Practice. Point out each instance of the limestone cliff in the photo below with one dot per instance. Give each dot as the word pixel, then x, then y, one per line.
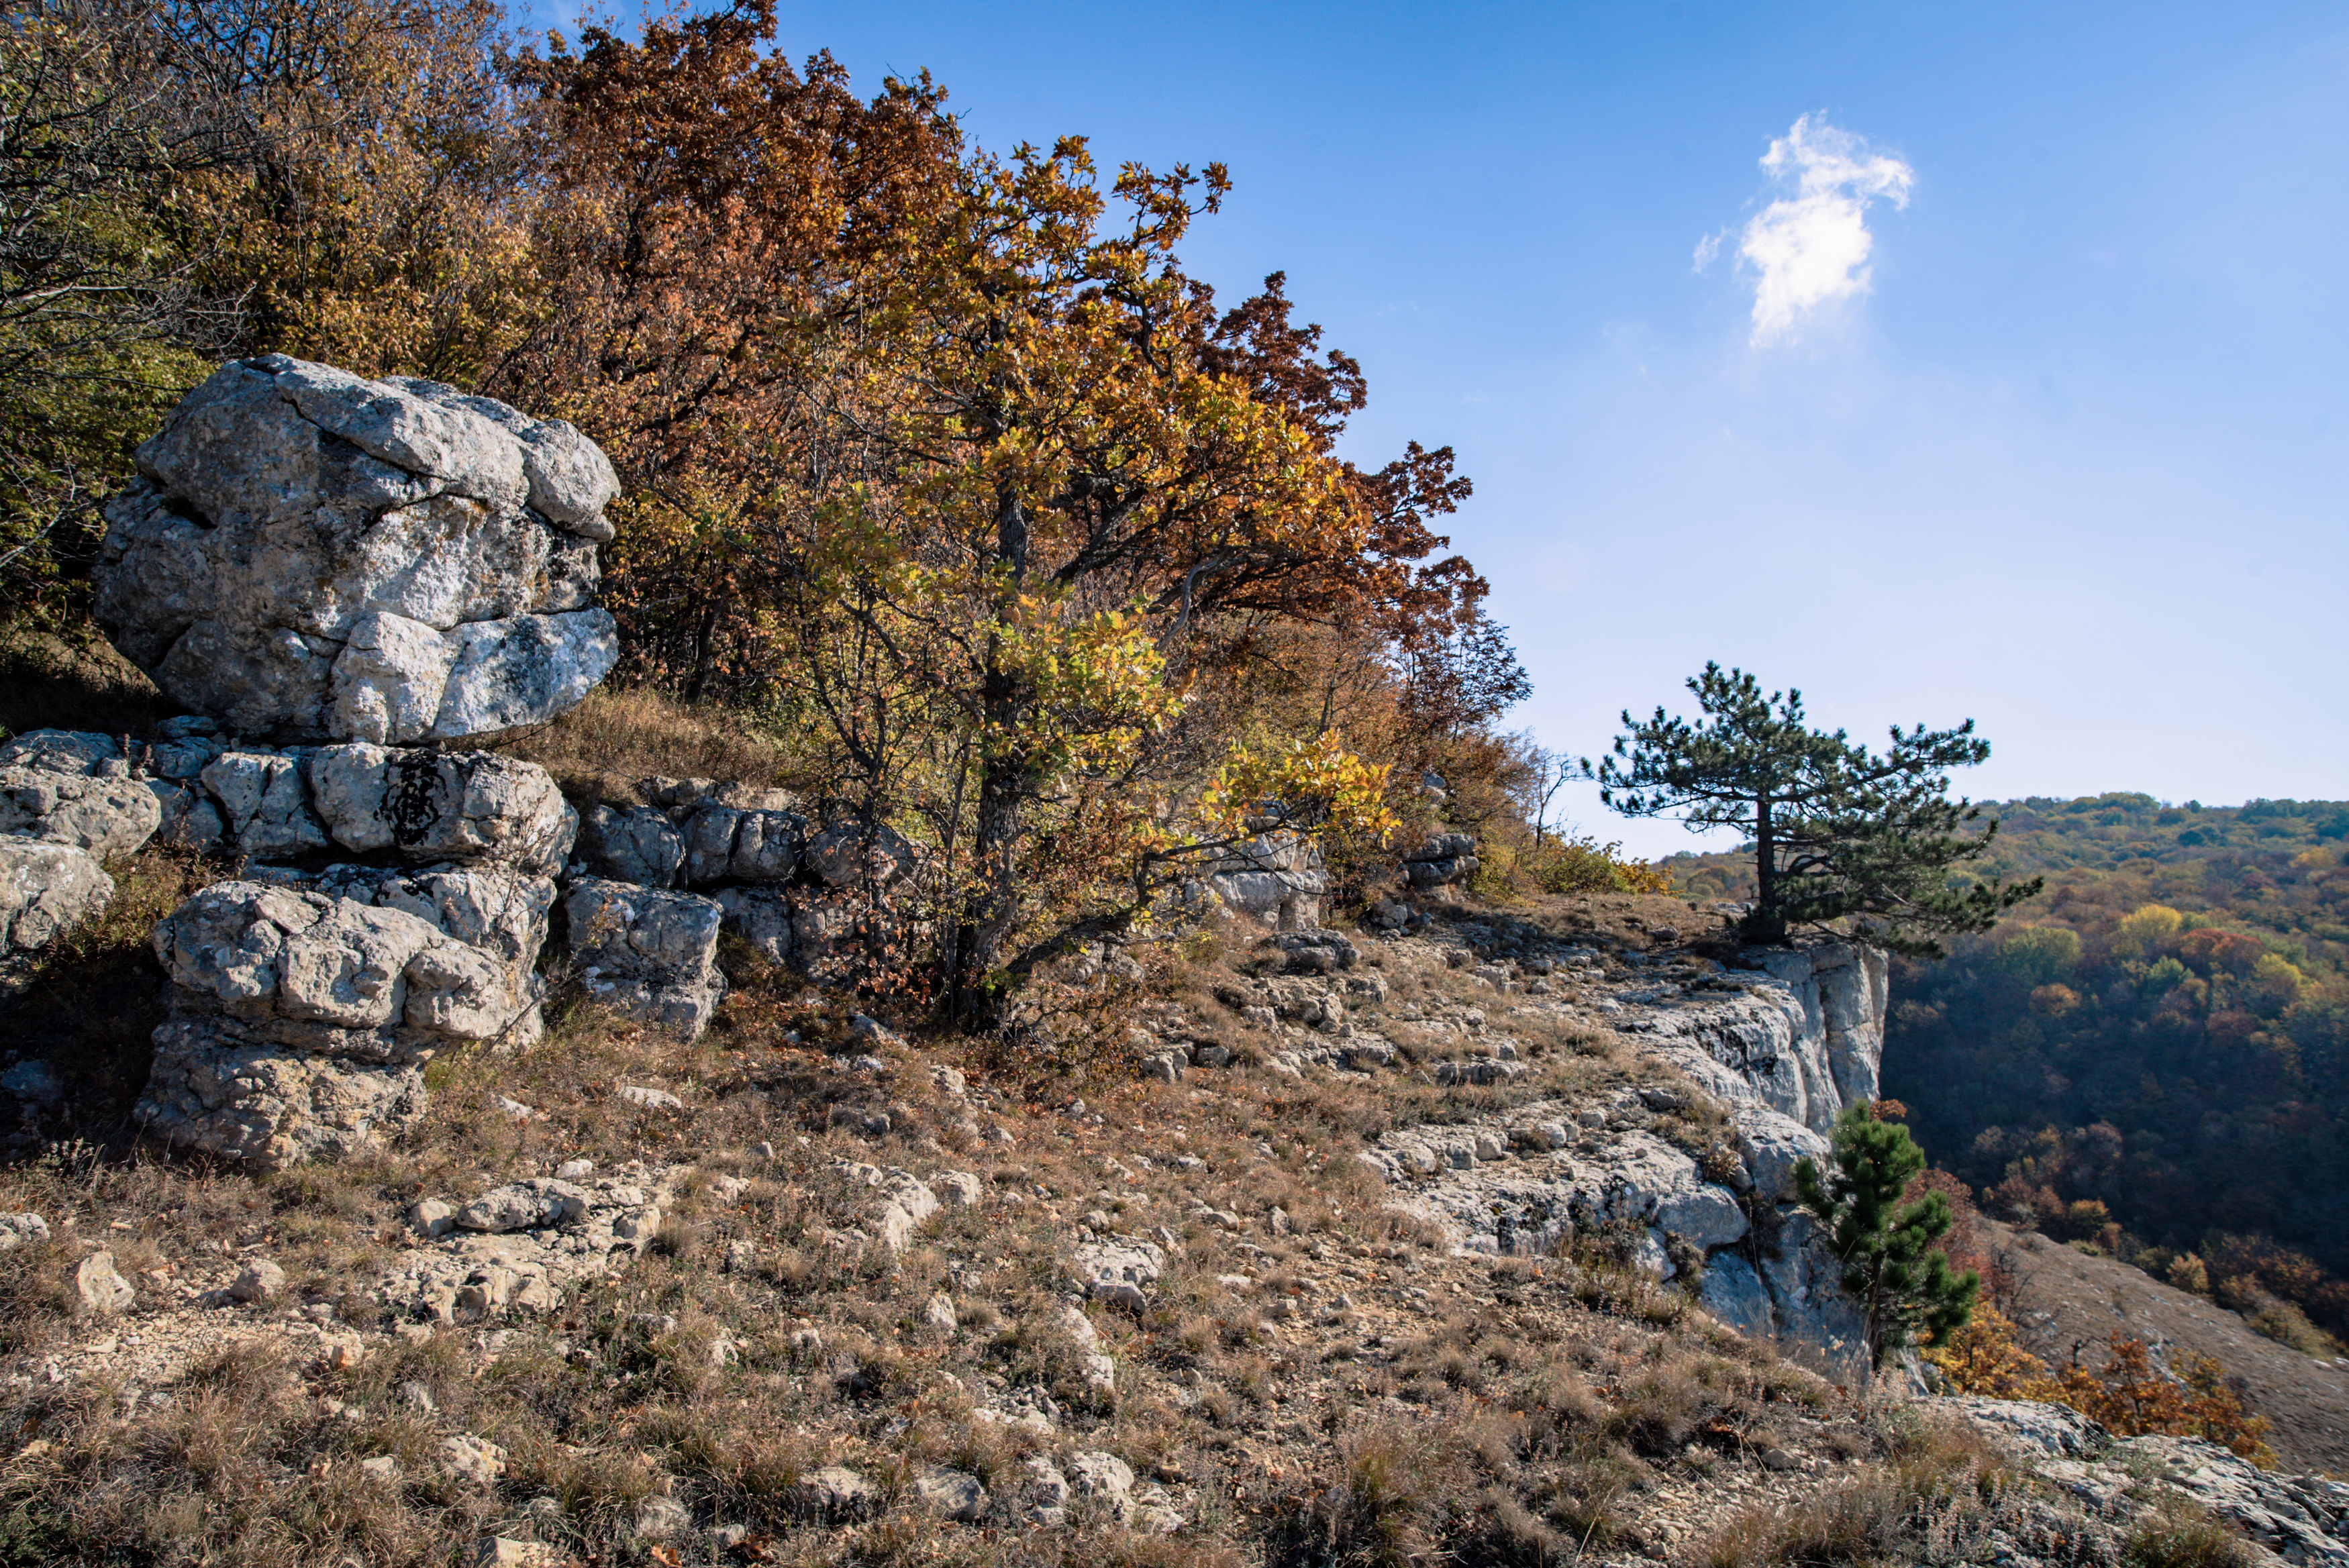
pixel 1781 1042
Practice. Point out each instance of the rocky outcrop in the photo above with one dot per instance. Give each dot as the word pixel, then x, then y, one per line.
pixel 1801 1032
pixel 309 555
pixel 646 954
pixel 1842 988
pixel 475 807
pixel 1446 858
pixel 1276 877
pixel 640 846
pixel 283 966
pixel 2301 1519
pixel 64 787
pixel 304 1007
pixel 801 891
pixel 1529 1182
pixel 1781 1045
pixel 416 806
pixel 494 910
pixel 305 999
pixel 270 1105
pixel 107 816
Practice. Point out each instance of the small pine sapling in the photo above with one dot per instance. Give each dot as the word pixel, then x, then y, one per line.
pixel 1891 1266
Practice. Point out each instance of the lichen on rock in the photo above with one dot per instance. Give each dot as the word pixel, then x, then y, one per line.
pixel 311 555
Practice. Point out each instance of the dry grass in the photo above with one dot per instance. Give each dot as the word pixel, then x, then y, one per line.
pixel 1937 1492
pixel 1510 1411
pixel 95 995
pixel 2176 1534
pixel 249 1463
pixel 604 749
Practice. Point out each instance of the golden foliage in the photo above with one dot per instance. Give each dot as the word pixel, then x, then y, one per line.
pixel 2132 1395
pixel 1984 1358
pixel 1316 784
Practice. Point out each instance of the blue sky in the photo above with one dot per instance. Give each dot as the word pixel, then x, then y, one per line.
pixel 2064 452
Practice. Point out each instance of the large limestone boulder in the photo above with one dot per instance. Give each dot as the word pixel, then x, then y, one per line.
pixel 107 817
pixel 1275 876
pixel 310 555
pixel 297 968
pixel 269 1105
pixel 639 845
pixel 495 910
pixel 426 806
pixel 1446 858
pixel 723 843
pixel 646 954
pixel 301 1019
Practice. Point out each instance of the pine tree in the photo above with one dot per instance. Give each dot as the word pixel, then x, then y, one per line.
pixel 1838 831
pixel 1891 1266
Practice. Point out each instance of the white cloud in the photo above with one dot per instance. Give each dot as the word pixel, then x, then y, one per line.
pixel 1810 248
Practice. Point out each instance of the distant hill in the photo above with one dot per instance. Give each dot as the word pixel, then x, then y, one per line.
pixel 2164 1033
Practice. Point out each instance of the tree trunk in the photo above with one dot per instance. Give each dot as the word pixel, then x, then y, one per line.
pixel 1765 923
pixel 988 907
pixel 705 648
pixel 991 905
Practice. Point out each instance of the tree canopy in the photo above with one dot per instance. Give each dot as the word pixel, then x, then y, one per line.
pixel 1838 831
pixel 936 463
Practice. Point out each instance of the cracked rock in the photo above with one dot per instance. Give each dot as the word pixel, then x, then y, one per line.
pixel 101 1289
pixel 312 555
pixel 45 890
pixel 646 954
pixel 538 1203
pixel 835 1495
pixel 107 817
pixel 1119 1271
pixel 640 846
pixel 951 1495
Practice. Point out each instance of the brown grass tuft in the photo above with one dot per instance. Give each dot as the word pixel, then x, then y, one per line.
pixel 603 748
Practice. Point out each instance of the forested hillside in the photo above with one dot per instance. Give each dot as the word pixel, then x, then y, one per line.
pixel 2164 1033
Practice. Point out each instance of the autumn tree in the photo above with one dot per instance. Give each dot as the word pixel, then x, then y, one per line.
pixel 1083 489
pixel 186 180
pixel 939 461
pixel 718 228
pixel 936 463
pixel 2135 1397
pixel 1891 1266
pixel 1838 831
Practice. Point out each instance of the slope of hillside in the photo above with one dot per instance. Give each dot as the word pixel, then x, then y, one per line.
pixel 2155 1055
pixel 2067 1303
pixel 821 1297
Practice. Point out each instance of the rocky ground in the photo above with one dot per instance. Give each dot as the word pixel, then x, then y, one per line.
pixel 1268 1281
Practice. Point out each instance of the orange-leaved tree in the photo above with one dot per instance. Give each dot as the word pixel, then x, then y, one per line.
pixel 939 459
